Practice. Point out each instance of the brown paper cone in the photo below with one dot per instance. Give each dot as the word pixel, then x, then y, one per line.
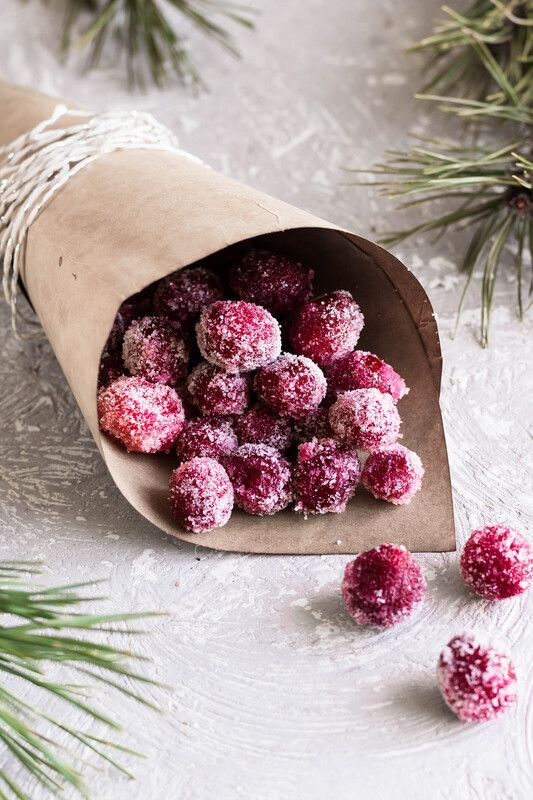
pixel 134 216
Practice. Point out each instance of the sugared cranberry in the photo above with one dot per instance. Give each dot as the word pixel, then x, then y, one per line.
pixel 260 425
pixel 184 294
pixel 200 495
pixel 477 681
pixel 145 417
pixel 138 305
pixel 276 282
pixel 211 437
pixel 497 562
pixel 155 348
pixel 393 474
pixel 326 476
pixel 238 336
pixel 292 386
pixel 382 586
pixel 214 391
pixel 261 479
pixel 327 327
pixel 365 418
pixel 361 370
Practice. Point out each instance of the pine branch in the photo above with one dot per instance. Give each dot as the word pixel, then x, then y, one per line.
pixel 46 621
pixel 143 30
pixel 492 194
pixel 484 55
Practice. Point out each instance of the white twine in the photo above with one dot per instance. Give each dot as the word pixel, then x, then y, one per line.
pixel 37 165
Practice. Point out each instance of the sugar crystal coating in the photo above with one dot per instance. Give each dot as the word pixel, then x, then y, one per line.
pixel 146 417
pixel 185 293
pixel 326 328
pixel 382 586
pixel 214 391
pixel 497 562
pixel 362 370
pixel 292 386
pixel 136 306
pixel 261 479
pixel 200 495
pixel 365 418
pixel 260 425
pixel 326 476
pixel 238 336
pixel 276 282
pixel 155 348
pixel 477 681
pixel 210 437
pixel 393 474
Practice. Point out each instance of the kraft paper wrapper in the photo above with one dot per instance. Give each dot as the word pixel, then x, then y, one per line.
pixel 134 216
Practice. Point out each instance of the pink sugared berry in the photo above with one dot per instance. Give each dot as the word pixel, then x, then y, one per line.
pixel 200 495
pixel 497 562
pixel 260 425
pixel 211 437
pixel 326 328
pixel 292 386
pixel 238 336
pixel 477 681
pixel 146 417
pixel 326 476
pixel 214 391
pixel 382 586
pixel 365 418
pixel 315 426
pixel 261 479
pixel 393 474
pixel 137 306
pixel 278 283
pixel 362 370
pixel 185 293
pixel 155 348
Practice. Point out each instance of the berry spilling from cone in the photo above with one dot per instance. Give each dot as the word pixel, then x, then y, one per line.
pixel 194 366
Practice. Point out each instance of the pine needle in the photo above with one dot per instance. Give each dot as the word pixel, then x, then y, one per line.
pixel 49 633
pixel 492 193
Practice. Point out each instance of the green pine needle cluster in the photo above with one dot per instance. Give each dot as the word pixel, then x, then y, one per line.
pixel 143 31
pixel 46 630
pixel 481 68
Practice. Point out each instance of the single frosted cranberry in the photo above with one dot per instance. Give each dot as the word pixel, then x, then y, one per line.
pixel 261 479
pixel 292 386
pixel 326 328
pixel 210 437
pixel 477 681
pixel 278 283
pixel 393 474
pixel 362 370
pixel 326 476
pixel 382 586
pixel 200 495
pixel 185 293
pixel 155 348
pixel 497 562
pixel 238 336
pixel 260 425
pixel 365 418
pixel 146 417
pixel 214 391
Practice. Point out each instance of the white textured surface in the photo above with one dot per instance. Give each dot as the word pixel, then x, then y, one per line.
pixel 277 694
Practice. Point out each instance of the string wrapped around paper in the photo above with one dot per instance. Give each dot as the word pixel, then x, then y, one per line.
pixel 133 215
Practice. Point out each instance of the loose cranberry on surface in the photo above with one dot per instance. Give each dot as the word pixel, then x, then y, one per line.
pixel 497 562
pixel 382 586
pixel 477 681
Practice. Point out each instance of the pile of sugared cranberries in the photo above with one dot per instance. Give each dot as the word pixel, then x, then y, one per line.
pixel 193 367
